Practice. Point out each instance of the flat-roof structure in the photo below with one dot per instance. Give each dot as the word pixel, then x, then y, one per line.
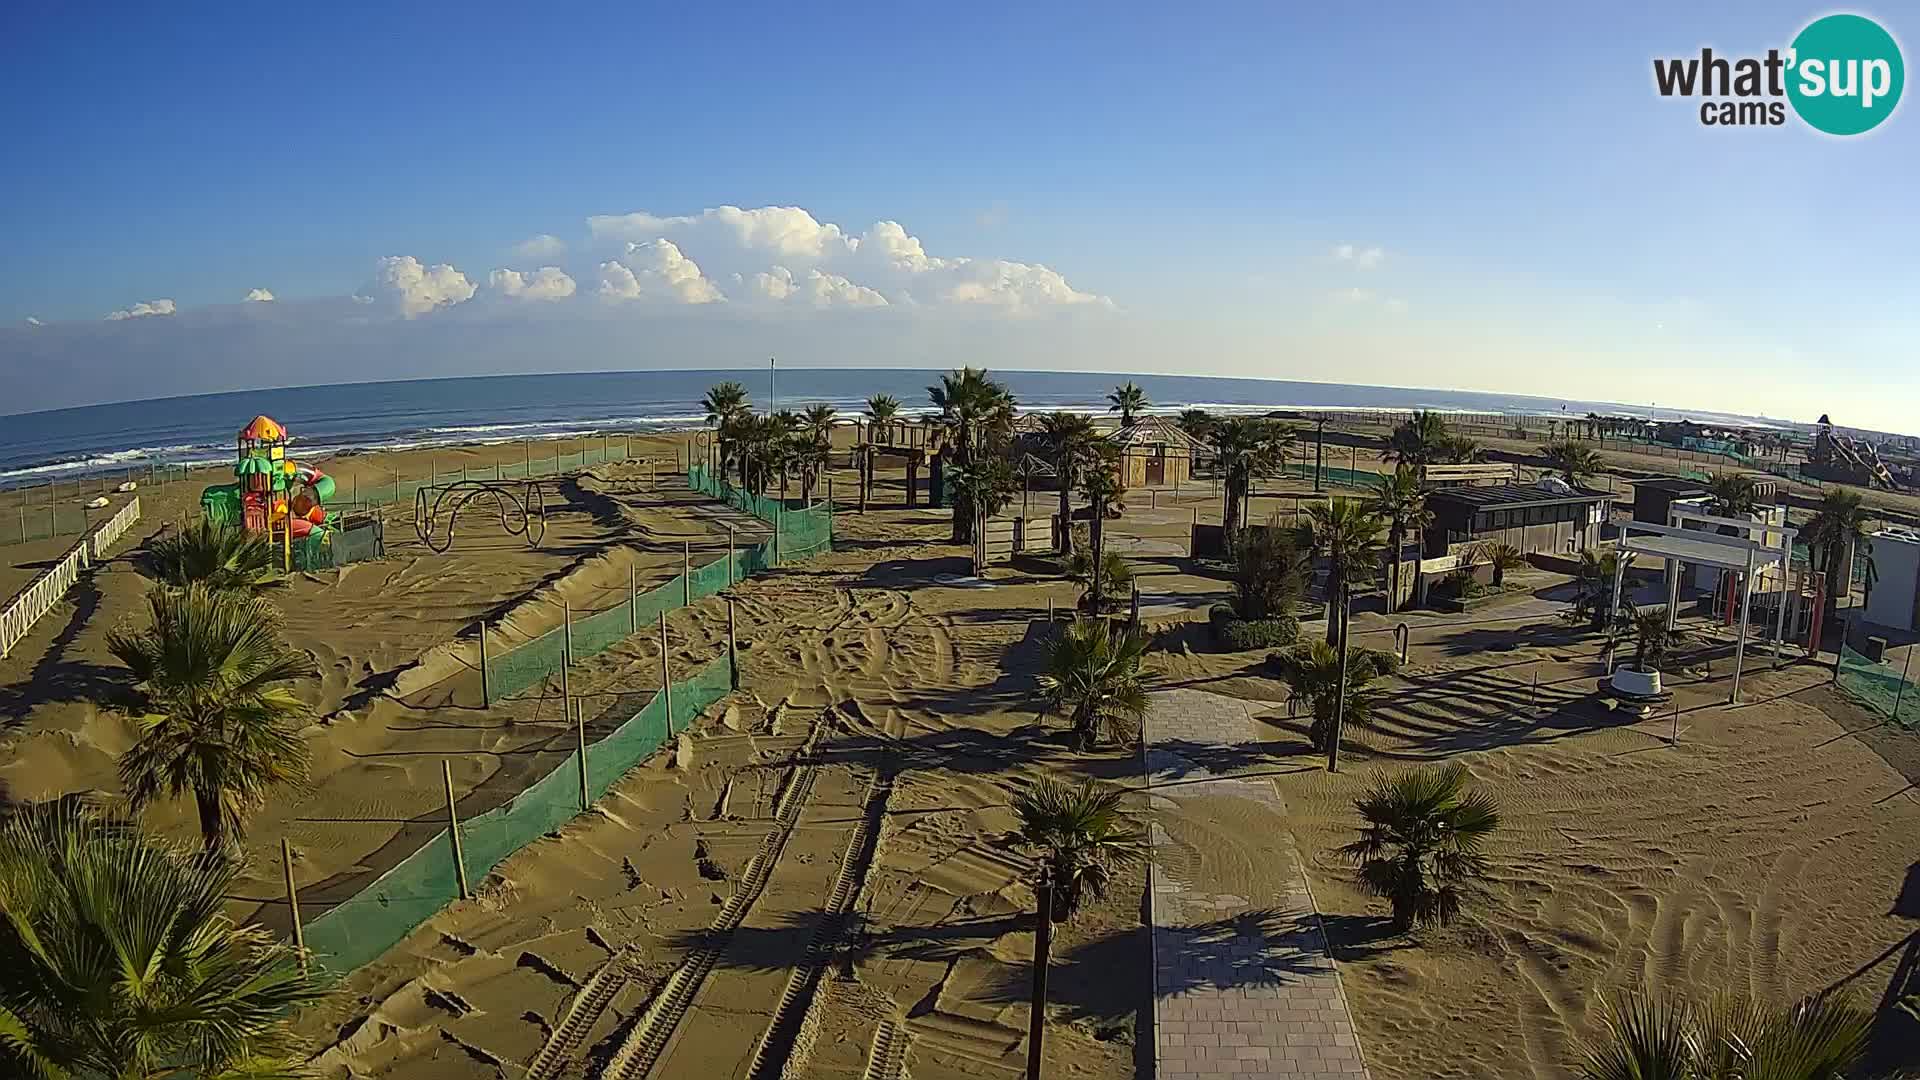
pixel 1712 544
pixel 1531 517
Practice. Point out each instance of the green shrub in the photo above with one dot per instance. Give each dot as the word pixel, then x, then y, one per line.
pixel 1236 634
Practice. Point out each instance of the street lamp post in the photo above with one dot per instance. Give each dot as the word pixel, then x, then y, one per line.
pixel 1340 694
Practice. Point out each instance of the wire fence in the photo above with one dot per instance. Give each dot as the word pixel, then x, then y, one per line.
pixel 57 508
pixel 1878 688
pixel 380 916
pixel 797 532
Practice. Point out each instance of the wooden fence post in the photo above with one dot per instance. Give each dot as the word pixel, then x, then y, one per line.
pixel 580 728
pixel 293 903
pixel 733 649
pixel 453 830
pixel 486 686
pixel 666 673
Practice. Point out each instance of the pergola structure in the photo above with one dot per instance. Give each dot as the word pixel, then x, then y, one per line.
pixel 1740 552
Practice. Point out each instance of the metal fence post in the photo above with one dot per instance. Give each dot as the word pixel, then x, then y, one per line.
pixel 686 573
pixel 633 600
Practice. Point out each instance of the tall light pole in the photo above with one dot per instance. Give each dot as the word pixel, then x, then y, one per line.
pixel 1319 448
pixel 773 385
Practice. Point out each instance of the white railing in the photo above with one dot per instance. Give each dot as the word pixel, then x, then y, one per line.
pixel 38 598
pixel 114 528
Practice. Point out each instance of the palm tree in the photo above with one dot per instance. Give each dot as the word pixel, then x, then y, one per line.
pixel 1197 423
pixel 117 959
pixel 881 411
pixel 1821 1038
pixel 725 404
pixel 976 411
pixel 1082 835
pixel 1101 480
pixel 1418 440
pixel 1571 459
pixel 812 445
pixel 1403 503
pixel 220 721
pixel 1420 846
pixel 1245 447
pixel 784 446
pixel 220 555
pixel 988 484
pixel 1129 401
pixel 1593 590
pixel 1082 838
pixel 1504 557
pixel 1069 436
pixel 1093 678
pixel 1346 533
pixel 1732 495
pixel 1311 671
pixel 1838 526
pixel 1270 570
pixel 1652 638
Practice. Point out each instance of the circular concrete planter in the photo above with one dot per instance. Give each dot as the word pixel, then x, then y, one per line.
pixel 1636 683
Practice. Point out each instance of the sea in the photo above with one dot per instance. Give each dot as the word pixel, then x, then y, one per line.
pixel 63 444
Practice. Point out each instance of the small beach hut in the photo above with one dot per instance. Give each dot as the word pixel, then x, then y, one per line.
pixel 1154 452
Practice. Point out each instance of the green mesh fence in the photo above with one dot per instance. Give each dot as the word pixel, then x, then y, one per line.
pixel 381 915
pixel 1878 687
pixel 798 533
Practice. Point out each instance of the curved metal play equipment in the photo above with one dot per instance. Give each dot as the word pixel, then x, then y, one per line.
pixel 524 514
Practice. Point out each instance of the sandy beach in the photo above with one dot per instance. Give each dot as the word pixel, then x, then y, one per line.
pixel 832 847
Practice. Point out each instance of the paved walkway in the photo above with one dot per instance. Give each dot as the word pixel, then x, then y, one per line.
pixel 1244 986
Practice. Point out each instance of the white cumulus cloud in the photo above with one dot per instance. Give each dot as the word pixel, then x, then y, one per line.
pixel 541 246
pixel 657 269
pixel 142 310
pixel 260 296
pixel 786 231
pixel 817 288
pixel 1362 258
pixel 547 283
pixel 773 252
pixel 418 289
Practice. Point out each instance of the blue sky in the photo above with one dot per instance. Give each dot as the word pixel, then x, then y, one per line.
pixel 1150 188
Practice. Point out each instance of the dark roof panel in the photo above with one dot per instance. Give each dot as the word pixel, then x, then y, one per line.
pixel 1510 495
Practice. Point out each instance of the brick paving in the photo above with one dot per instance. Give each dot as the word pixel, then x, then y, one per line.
pixel 1244 986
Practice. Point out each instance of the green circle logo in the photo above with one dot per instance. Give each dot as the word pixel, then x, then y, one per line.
pixel 1845 74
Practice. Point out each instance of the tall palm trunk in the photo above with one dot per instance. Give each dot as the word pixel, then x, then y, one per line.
pixel 1063 543
pixel 212 829
pixel 1395 540
pixel 1230 514
pixel 1336 611
pixel 1096 532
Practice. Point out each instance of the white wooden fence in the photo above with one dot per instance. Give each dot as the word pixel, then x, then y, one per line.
pixel 38 598
pixel 114 528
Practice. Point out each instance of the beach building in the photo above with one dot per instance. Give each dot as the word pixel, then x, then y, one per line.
pixel 1894 602
pixel 1154 452
pixel 1546 516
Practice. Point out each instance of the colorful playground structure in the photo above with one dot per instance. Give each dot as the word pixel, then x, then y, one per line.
pixel 272 493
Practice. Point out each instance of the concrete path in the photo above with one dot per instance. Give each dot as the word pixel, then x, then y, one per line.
pixel 1244 985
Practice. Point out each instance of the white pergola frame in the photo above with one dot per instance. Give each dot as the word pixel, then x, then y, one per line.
pixel 1676 545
